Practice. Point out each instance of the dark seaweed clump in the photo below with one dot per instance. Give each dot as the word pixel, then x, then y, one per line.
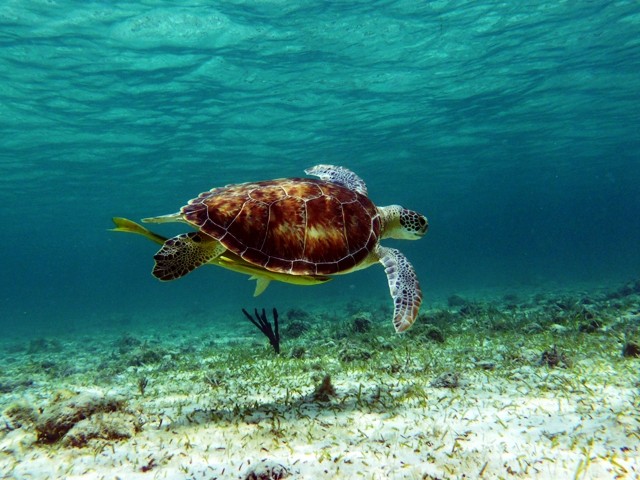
pixel 295 329
pixel 631 349
pixel 325 390
pixel 361 323
pixel 262 323
pixel 298 323
pixel 146 356
pixel 426 331
pixel 127 343
pixel 353 353
pixel 626 290
pixel 298 351
pixel 554 358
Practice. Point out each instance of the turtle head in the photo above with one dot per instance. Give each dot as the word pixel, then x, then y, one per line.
pixel 402 223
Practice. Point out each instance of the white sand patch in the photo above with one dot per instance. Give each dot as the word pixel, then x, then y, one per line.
pixel 491 430
pixel 221 405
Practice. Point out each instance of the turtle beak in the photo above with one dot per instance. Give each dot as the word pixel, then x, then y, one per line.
pixel 424 225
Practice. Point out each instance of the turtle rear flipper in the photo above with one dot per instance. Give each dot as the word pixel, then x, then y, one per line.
pixel 403 285
pixel 182 254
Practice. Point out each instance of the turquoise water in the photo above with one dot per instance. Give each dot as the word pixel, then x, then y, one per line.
pixel 513 127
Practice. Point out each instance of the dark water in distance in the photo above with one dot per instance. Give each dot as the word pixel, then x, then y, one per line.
pixel 514 126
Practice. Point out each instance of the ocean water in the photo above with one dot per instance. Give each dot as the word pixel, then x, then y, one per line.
pixel 514 126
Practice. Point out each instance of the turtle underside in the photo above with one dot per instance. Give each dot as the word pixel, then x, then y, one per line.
pixel 298 226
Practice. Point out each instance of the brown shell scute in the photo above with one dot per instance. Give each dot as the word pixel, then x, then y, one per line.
pixel 298 226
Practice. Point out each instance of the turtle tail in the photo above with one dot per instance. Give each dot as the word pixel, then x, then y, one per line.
pixel 129 226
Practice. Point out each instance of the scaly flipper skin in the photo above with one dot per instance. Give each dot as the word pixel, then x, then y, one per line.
pixel 403 286
pixel 186 252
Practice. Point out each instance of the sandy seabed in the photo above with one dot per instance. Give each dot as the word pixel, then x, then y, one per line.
pixel 534 387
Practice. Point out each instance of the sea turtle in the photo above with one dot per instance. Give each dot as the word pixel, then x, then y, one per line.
pixel 297 230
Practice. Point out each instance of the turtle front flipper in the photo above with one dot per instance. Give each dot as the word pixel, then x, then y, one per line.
pixel 184 253
pixel 403 285
pixel 340 175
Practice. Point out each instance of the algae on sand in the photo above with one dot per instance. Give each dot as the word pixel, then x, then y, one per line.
pixel 212 394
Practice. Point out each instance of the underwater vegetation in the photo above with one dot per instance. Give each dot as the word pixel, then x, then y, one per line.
pixel 553 358
pixel 262 323
pixel 339 370
pixel 325 390
pixel 631 349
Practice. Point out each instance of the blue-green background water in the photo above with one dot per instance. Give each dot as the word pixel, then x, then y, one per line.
pixel 514 126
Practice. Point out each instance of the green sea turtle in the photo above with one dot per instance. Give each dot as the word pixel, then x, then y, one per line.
pixel 295 230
